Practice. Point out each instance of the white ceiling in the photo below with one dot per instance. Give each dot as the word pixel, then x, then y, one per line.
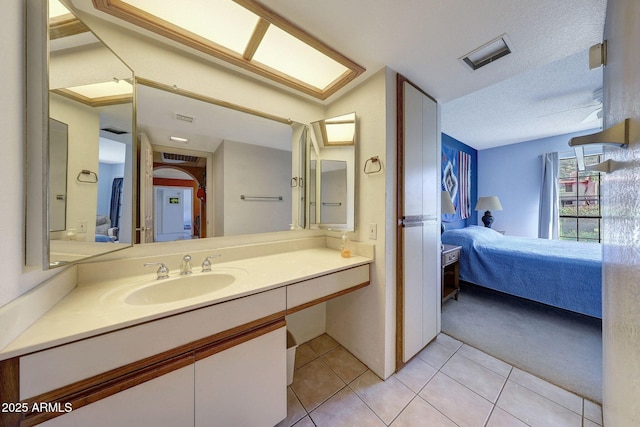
pixel 519 97
pixel 156 116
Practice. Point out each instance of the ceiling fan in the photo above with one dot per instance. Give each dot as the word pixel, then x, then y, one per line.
pixel 593 109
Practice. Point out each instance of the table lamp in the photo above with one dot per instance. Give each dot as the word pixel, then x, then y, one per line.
pixel 488 204
pixel 446 207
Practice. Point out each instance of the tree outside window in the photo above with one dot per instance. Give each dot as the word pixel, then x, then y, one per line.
pixel 579 200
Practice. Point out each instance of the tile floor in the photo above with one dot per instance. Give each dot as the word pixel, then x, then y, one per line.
pixel 447 384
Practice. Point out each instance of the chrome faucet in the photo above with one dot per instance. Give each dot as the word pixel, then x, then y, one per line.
pixel 206 264
pixel 185 267
pixel 163 271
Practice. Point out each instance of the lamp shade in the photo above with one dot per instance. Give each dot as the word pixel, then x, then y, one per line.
pixel 489 203
pixel 446 203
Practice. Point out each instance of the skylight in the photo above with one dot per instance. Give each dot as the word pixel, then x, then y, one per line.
pixel 244 33
pixel 100 94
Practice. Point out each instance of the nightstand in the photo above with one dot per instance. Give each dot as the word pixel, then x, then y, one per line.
pixel 450 271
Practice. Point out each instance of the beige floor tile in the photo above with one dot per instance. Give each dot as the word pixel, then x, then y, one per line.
pixel 420 413
pixel 314 383
pixel 500 418
pixel 416 374
pixel 473 375
pixel 345 409
pixel 344 364
pixel 458 403
pixel 386 398
pixel 534 409
pixel 496 365
pixel 322 344
pixel 447 341
pixel 593 412
pixel 436 354
pixel 548 390
pixel 295 410
pixel 304 355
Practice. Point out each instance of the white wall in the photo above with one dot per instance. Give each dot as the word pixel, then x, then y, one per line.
pixel 252 170
pixel 364 321
pixel 513 173
pixel 16 279
pixel 621 287
pixel 84 130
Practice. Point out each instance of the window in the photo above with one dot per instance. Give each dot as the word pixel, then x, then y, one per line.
pixel 579 200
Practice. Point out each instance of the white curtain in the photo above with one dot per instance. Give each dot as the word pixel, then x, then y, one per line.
pixel 548 215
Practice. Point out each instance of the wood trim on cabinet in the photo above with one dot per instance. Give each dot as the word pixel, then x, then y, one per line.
pixel 10 390
pixel 105 389
pixel 217 347
pixel 103 385
pixel 327 297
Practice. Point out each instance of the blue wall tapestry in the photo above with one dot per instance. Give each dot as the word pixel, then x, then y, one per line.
pixel 456 179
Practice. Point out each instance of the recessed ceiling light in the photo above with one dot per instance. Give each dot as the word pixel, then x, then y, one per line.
pixel 178 139
pixel 488 52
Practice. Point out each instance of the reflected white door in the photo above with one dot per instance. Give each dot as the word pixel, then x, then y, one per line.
pixel 146 190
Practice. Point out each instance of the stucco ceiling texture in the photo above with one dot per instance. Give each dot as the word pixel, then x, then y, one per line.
pixel 541 89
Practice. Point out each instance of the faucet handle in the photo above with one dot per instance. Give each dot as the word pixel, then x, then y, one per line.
pixel 185 268
pixel 206 264
pixel 163 271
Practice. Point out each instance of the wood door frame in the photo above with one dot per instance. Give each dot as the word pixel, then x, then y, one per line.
pixel 400 81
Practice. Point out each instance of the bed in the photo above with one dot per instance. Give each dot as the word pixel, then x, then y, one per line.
pixel 559 273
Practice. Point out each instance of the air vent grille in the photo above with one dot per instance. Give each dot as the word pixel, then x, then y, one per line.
pixel 178 158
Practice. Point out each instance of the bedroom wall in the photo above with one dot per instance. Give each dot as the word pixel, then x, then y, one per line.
pixel 513 173
pixel 458 145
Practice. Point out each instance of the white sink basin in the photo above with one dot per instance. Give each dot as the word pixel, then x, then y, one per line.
pixel 179 288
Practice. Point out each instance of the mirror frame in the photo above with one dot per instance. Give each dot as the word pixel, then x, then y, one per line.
pixel 37 234
pixel 335 152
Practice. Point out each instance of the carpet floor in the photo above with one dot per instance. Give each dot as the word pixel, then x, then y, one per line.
pixel 561 347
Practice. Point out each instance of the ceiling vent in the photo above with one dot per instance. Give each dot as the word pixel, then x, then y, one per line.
pixel 184 118
pixel 178 158
pixel 488 53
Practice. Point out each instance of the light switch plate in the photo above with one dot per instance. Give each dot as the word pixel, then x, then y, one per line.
pixel 373 231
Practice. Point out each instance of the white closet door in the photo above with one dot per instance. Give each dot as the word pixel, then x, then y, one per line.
pixel 420 225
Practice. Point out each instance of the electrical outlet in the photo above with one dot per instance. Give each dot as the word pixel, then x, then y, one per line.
pixel 83 225
pixel 373 231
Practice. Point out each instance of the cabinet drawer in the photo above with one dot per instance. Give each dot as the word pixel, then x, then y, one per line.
pixel 314 291
pixel 450 257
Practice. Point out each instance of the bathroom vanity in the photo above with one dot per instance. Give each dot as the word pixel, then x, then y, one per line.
pixel 102 357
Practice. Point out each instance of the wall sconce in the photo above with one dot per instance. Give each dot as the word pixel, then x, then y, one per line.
pixel 598 55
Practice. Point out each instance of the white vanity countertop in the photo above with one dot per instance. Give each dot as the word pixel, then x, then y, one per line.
pixel 98 308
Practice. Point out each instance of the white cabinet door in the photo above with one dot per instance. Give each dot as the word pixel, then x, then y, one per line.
pixel 244 385
pixel 165 401
pixel 420 226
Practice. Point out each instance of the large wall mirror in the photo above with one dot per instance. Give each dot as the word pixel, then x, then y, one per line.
pixel 209 169
pixel 332 173
pixel 87 144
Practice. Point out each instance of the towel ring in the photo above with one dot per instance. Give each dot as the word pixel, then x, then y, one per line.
pixel 373 160
pixel 92 177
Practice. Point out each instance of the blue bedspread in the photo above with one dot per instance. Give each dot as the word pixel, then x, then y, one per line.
pixel 560 273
